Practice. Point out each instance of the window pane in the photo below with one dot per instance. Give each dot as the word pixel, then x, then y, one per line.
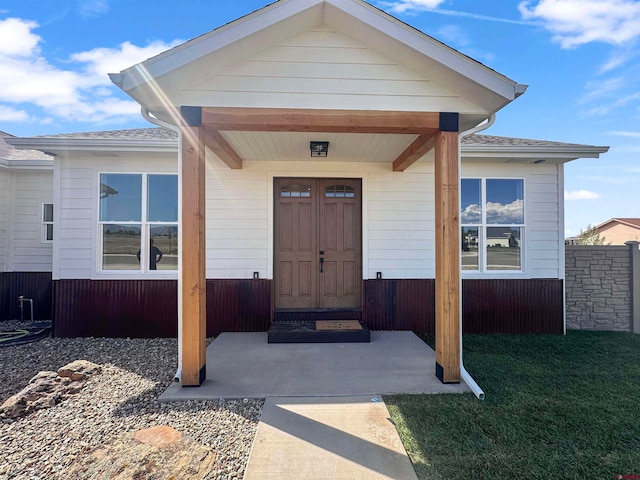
pixel 163 248
pixel 339 191
pixel 505 201
pixel 470 257
pixel 120 197
pixel 162 198
pixel 121 247
pixel 48 232
pixel 503 248
pixel 47 212
pixel 296 190
pixel 470 202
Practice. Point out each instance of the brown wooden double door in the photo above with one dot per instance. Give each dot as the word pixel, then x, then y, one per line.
pixel 318 243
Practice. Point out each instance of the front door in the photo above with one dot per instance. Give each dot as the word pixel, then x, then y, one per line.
pixel 318 251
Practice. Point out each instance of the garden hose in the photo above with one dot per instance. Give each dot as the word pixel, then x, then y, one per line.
pixel 21 336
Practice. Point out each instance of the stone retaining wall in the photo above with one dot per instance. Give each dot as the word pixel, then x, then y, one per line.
pixel 602 285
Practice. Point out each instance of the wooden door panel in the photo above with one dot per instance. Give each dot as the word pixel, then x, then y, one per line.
pixel 350 279
pixel 295 246
pixel 340 238
pixel 349 243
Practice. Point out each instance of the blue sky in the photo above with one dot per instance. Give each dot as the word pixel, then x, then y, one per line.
pixel 581 59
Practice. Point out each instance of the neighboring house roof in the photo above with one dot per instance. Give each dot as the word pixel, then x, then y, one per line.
pixel 12 157
pixel 631 222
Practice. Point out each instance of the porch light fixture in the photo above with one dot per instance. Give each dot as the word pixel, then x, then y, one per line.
pixel 319 149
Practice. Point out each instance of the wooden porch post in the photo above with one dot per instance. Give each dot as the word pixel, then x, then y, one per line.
pixel 193 278
pixel 447 250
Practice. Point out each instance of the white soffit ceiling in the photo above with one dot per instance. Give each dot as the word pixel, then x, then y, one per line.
pixel 294 147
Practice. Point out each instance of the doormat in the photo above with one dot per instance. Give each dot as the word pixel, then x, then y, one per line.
pixel 338 325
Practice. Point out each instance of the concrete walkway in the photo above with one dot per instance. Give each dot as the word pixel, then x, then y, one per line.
pixel 324 416
pixel 327 438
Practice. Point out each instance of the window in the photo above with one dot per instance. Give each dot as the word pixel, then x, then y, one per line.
pixel 296 190
pixel 340 191
pixel 492 224
pixel 138 210
pixel 47 222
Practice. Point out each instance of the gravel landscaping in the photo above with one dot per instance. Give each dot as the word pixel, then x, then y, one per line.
pixel 117 402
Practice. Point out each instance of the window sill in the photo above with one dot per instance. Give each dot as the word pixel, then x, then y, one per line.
pixel 125 275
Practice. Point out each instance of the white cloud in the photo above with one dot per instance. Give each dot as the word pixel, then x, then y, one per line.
pixel 16 37
pixel 581 195
pixel 402 6
pixel 626 134
pixel 93 8
pixel 576 22
pixel 8 114
pixel 82 92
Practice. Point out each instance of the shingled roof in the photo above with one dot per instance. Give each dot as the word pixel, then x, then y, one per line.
pixel 166 134
pixel 10 153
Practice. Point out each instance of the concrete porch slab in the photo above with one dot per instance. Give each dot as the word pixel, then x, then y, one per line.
pixel 327 437
pixel 244 365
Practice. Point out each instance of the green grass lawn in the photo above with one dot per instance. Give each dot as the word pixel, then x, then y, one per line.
pixel 556 408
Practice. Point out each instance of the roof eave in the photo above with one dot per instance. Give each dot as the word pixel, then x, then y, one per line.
pixel 57 145
pixel 551 152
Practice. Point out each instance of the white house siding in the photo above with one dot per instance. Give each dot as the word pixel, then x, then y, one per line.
pixel 77 245
pixel 4 216
pixel 398 215
pixel 25 250
pixel 543 214
pixel 317 69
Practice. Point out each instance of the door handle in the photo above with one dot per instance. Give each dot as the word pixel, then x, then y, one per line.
pixel 321 264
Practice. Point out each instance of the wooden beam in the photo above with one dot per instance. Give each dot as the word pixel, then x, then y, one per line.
pixel 193 253
pixel 447 257
pixel 331 121
pixel 414 152
pixel 218 145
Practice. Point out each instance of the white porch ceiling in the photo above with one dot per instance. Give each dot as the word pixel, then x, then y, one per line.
pixel 294 146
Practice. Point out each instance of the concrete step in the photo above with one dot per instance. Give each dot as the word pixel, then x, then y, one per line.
pixel 329 331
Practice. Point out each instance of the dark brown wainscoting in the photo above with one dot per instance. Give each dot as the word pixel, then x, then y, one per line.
pixel 513 306
pixel 149 308
pixel 489 306
pixel 400 304
pixel 115 308
pixel 34 285
pixel 238 306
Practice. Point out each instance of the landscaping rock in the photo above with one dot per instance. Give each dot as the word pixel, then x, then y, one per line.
pixel 47 389
pixel 158 452
pixel 79 370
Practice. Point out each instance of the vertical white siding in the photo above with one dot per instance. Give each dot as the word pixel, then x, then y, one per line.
pixel 237 221
pixel 5 182
pixel 75 243
pixel 29 253
pixel 401 223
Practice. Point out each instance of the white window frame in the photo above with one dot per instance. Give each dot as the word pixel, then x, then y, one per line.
pixel 46 223
pixel 144 224
pixel 483 225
